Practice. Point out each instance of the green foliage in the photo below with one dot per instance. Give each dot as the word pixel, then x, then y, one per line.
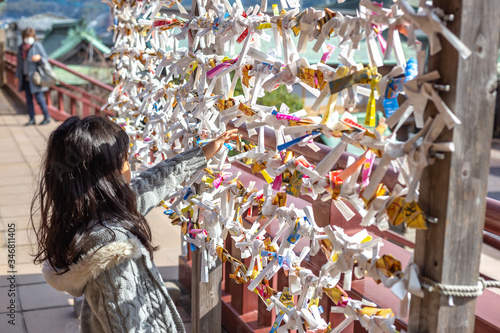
pixel 281 95
pixel 276 97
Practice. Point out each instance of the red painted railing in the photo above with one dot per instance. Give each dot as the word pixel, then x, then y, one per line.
pixel 242 311
pixel 62 99
pixel 492 218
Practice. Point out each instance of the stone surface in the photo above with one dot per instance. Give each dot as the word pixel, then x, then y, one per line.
pixel 29 274
pixel 57 320
pixel 42 295
pixel 17 327
pixel 7 300
pixel 174 291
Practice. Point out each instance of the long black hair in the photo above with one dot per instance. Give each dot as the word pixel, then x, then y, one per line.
pixel 80 186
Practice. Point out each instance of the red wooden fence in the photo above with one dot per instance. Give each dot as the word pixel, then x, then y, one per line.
pixel 62 98
pixel 242 311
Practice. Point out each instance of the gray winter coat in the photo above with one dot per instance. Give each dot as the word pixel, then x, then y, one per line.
pixel 36 48
pixel 123 289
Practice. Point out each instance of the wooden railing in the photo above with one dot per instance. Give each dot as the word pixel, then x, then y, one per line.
pixel 492 218
pixel 242 311
pixel 62 99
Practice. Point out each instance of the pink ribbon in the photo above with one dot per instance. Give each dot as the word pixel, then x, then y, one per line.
pixel 194 232
pixel 218 181
pixel 277 183
pixel 367 169
pixel 287 117
pixel 327 54
pixel 378 31
pixel 217 69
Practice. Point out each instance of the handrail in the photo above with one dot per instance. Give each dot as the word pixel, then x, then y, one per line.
pixel 492 218
pixel 239 304
pixel 491 239
pixel 81 91
pixel 83 76
pixel 77 98
pixel 367 288
pixel 66 68
pixel 64 92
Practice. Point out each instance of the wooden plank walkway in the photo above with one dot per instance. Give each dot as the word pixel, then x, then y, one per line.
pixel 42 309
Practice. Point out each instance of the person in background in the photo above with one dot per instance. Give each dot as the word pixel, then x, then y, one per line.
pixel 29 57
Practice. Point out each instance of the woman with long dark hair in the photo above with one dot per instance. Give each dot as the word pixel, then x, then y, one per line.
pixel 93 238
pixel 29 57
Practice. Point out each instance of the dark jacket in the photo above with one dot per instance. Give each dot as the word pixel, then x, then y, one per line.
pixel 36 48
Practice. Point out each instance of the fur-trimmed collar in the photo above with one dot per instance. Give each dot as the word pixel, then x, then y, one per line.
pixel 92 265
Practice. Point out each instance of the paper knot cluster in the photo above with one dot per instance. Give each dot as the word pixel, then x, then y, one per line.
pixel 175 82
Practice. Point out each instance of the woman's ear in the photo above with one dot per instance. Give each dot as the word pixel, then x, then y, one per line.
pixel 126 171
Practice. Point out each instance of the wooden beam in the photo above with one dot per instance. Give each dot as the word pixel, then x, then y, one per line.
pixel 454 189
pixel 205 298
pixel 206 309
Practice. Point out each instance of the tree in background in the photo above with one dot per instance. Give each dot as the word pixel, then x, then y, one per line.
pixel 276 98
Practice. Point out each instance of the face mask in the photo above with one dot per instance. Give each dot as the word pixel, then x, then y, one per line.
pixel 29 40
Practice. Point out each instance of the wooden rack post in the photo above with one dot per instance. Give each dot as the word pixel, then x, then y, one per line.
pixel 206 308
pixel 454 189
pixel 205 298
